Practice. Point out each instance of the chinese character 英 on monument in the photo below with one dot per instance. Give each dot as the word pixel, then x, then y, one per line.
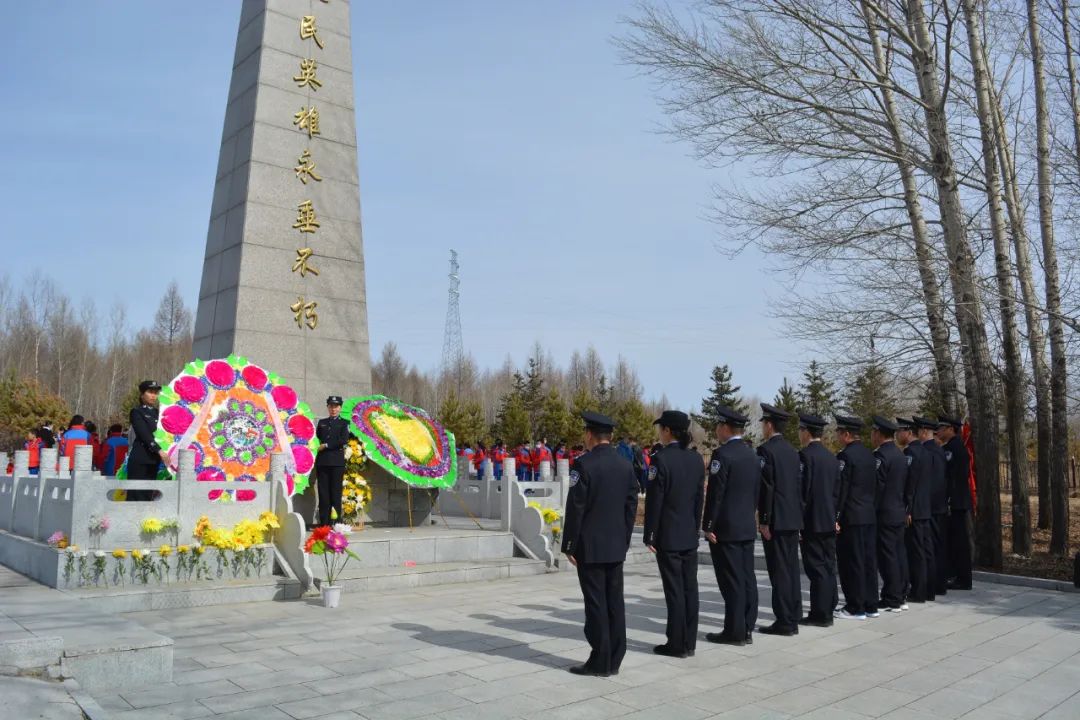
pixel 283 274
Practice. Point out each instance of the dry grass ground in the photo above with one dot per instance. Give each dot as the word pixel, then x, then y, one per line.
pixel 1041 563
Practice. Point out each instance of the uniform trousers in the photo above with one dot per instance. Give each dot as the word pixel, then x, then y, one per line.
pixel 782 560
pixel 330 480
pixel 919 543
pixel 143 471
pixel 939 528
pixel 855 555
pixel 605 614
pixel 819 562
pixel 960 546
pixel 733 563
pixel 678 573
pixel 891 560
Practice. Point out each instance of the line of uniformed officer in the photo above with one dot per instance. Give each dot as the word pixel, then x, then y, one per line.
pixel 890 509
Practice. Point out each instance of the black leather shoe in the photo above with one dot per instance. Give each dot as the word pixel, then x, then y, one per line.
pixel 953 585
pixel 668 651
pixel 689 653
pixel 749 638
pixel 722 639
pixel 816 622
pixel 775 629
pixel 586 670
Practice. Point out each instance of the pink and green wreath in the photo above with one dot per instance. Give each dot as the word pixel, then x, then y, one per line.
pixel 404 440
pixel 235 416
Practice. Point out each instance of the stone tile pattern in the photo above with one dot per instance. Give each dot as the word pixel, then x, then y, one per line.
pixel 248 283
pixel 500 649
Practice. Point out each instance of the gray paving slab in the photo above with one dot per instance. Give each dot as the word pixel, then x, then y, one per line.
pixel 495 650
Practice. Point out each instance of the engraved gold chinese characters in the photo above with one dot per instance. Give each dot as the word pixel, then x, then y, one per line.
pixel 306 221
pixel 308 31
pixel 304 313
pixel 305 168
pixel 301 264
pixel 307 119
pixel 307 76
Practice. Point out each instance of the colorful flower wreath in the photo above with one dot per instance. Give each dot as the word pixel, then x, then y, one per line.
pixel 404 440
pixel 235 415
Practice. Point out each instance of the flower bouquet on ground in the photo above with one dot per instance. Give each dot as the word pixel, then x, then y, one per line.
pixel 333 546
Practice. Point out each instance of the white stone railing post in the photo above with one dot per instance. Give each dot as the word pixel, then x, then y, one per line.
pixel 3 463
pixel 22 463
pixel 289 538
pixel 185 509
pixel 48 463
pixel 506 497
pixel 545 471
pixel 84 460
pixel 63 465
pixel 563 476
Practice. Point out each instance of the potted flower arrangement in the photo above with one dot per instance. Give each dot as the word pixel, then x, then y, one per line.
pixel 333 546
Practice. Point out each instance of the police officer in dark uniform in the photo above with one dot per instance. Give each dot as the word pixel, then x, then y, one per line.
pixel 780 518
pixel 918 537
pixel 673 502
pixel 146 455
pixel 939 507
pixel 957 470
pixel 892 474
pixel 333 435
pixel 820 475
pixel 730 527
pixel 600 513
pixel 856 521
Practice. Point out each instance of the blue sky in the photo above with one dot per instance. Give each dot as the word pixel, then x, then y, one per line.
pixel 510 131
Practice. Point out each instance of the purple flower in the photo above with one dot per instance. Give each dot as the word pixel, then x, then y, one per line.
pixel 337 542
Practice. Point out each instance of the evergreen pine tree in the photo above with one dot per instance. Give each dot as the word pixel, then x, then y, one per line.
pixel 816 394
pixel 512 420
pixel 532 395
pixel 786 399
pixel 633 421
pixel 556 422
pixel 723 393
pixel 871 393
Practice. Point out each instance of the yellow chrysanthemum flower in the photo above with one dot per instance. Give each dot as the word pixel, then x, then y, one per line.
pixel 165 551
pixel 199 549
pixel 137 554
pixel 182 549
pixel 150 526
pixel 119 554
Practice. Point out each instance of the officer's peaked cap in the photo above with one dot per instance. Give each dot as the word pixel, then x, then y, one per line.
pixel 847 422
pixel 774 414
pixel 598 422
pixel 334 400
pixel 674 419
pixel 924 423
pixel 813 422
pixel 943 420
pixel 728 416
pixel 905 424
pixel 885 424
pixel 149 385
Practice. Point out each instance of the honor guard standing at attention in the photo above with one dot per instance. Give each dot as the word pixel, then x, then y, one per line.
pixel 146 455
pixel 780 517
pixel 918 538
pixel 939 507
pixel 600 513
pixel 820 475
pixel 730 527
pixel 957 470
pixel 333 434
pixel 855 522
pixel 673 504
pixel 892 476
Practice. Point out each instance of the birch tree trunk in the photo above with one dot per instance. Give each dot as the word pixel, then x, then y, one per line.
pixel 944 364
pixel 1036 336
pixel 1014 386
pixel 1059 421
pixel 979 370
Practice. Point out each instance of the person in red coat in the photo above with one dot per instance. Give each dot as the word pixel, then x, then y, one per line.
pixel 539 454
pixel 524 462
pixel 478 458
pixel 498 455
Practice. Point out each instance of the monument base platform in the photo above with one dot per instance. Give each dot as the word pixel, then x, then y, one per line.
pixel 453 551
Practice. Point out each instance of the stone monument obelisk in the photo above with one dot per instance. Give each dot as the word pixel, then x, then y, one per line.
pixel 283 274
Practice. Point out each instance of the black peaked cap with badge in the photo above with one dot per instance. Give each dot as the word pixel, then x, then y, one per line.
pixel 812 422
pixel 774 414
pixel 847 422
pixel 729 416
pixel 146 385
pixel 602 503
pixel 947 420
pixel 334 400
pixel 885 424
pixel 906 424
pixel 924 423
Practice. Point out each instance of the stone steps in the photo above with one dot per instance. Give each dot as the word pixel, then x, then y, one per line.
pixel 395 547
pixel 138 598
pixel 444 573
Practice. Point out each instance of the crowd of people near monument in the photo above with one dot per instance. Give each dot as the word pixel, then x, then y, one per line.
pixel 529 456
pixel 109 450
pixel 891 522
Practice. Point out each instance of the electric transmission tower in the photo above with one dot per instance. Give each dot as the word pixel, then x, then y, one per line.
pixel 452 351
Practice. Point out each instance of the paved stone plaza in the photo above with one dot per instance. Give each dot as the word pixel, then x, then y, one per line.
pixel 499 650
